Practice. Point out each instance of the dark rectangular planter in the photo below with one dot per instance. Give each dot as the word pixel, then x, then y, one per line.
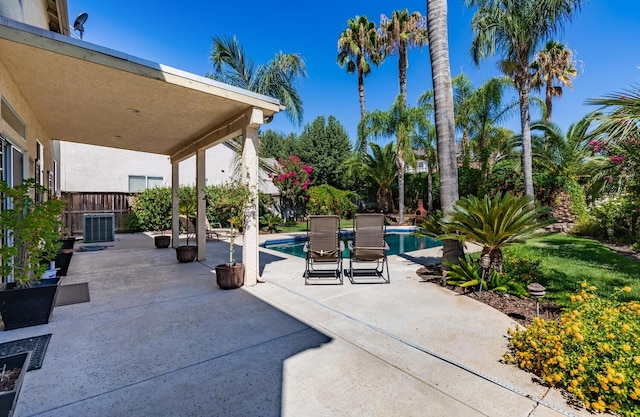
pixel 24 307
pixel 68 242
pixel 63 259
pixel 8 399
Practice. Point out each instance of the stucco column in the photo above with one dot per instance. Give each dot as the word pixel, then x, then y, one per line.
pixel 250 248
pixel 175 221
pixel 201 234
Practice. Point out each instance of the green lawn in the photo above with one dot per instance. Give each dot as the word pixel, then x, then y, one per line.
pixel 567 261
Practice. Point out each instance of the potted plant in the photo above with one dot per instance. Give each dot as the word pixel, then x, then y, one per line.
pixel 12 371
pixel 187 206
pixel 230 275
pixel 30 227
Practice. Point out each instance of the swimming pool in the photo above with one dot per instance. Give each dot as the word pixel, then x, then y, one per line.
pixel 399 242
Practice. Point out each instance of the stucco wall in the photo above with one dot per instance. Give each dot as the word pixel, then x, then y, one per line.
pixel 98 169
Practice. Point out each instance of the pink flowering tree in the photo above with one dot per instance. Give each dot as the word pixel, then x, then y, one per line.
pixel 293 178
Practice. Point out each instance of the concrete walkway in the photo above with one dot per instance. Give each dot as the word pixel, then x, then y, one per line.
pixel 160 339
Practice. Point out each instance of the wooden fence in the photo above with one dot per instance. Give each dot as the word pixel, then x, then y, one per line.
pixel 79 204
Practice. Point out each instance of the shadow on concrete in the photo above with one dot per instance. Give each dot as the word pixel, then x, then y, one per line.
pixel 422 260
pixel 162 340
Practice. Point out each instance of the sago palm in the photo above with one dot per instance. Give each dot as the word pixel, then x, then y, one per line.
pixel 493 222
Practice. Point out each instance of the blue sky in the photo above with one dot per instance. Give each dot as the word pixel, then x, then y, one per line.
pixel 604 37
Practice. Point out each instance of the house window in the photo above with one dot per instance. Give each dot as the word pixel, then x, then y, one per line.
pixel 138 183
pixel 12 119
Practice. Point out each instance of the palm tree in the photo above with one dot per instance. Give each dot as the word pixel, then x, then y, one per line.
pixel 516 28
pixel 570 161
pixel 553 63
pixel 276 78
pixel 493 222
pixel 452 251
pixel 424 139
pixel 400 33
pixel 379 167
pixel 619 114
pixel 399 121
pixel 358 48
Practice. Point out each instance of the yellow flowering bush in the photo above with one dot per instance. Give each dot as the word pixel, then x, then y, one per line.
pixel 592 351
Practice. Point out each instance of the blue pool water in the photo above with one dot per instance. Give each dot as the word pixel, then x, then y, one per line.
pixel 398 243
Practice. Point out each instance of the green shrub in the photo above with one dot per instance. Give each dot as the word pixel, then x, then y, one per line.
pixel 325 199
pixel 468 274
pixel 592 351
pixel 225 201
pixel 523 270
pixel 614 220
pixel 151 210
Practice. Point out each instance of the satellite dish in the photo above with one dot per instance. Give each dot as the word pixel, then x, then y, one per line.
pixel 79 22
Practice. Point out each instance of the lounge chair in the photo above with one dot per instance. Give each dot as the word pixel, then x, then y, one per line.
pixel 323 251
pixel 368 247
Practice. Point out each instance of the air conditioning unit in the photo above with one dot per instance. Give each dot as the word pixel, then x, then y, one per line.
pixel 98 227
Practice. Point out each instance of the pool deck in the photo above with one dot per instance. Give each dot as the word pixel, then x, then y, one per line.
pixel 160 339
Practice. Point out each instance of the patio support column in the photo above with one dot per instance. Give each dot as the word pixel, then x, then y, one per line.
pixel 250 249
pixel 201 234
pixel 175 221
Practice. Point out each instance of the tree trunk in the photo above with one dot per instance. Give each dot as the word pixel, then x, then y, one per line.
pixel 523 85
pixel 445 127
pixel 547 100
pixel 363 111
pixel 402 68
pixel 429 189
pixel 400 165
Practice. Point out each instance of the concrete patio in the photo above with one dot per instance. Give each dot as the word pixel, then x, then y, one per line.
pixel 160 339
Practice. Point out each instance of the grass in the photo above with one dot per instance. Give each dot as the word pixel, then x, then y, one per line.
pixel 567 261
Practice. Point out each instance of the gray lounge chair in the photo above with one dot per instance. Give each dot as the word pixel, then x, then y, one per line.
pixel 323 251
pixel 368 247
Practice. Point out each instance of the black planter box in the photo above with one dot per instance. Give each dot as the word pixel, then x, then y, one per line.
pixel 24 307
pixel 8 399
pixel 68 242
pixel 63 259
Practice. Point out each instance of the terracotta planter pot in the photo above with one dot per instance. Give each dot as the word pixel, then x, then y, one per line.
pixel 8 399
pixel 186 253
pixel 229 277
pixel 24 307
pixel 162 241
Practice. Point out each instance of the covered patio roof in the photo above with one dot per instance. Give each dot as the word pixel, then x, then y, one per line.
pixel 85 93
pixel 89 94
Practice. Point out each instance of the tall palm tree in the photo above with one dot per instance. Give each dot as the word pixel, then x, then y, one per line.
pixel 379 167
pixel 401 32
pixel 571 163
pixel 358 48
pixel 445 122
pixel 424 139
pixel 515 28
pixel 399 121
pixel 276 78
pixel 553 63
